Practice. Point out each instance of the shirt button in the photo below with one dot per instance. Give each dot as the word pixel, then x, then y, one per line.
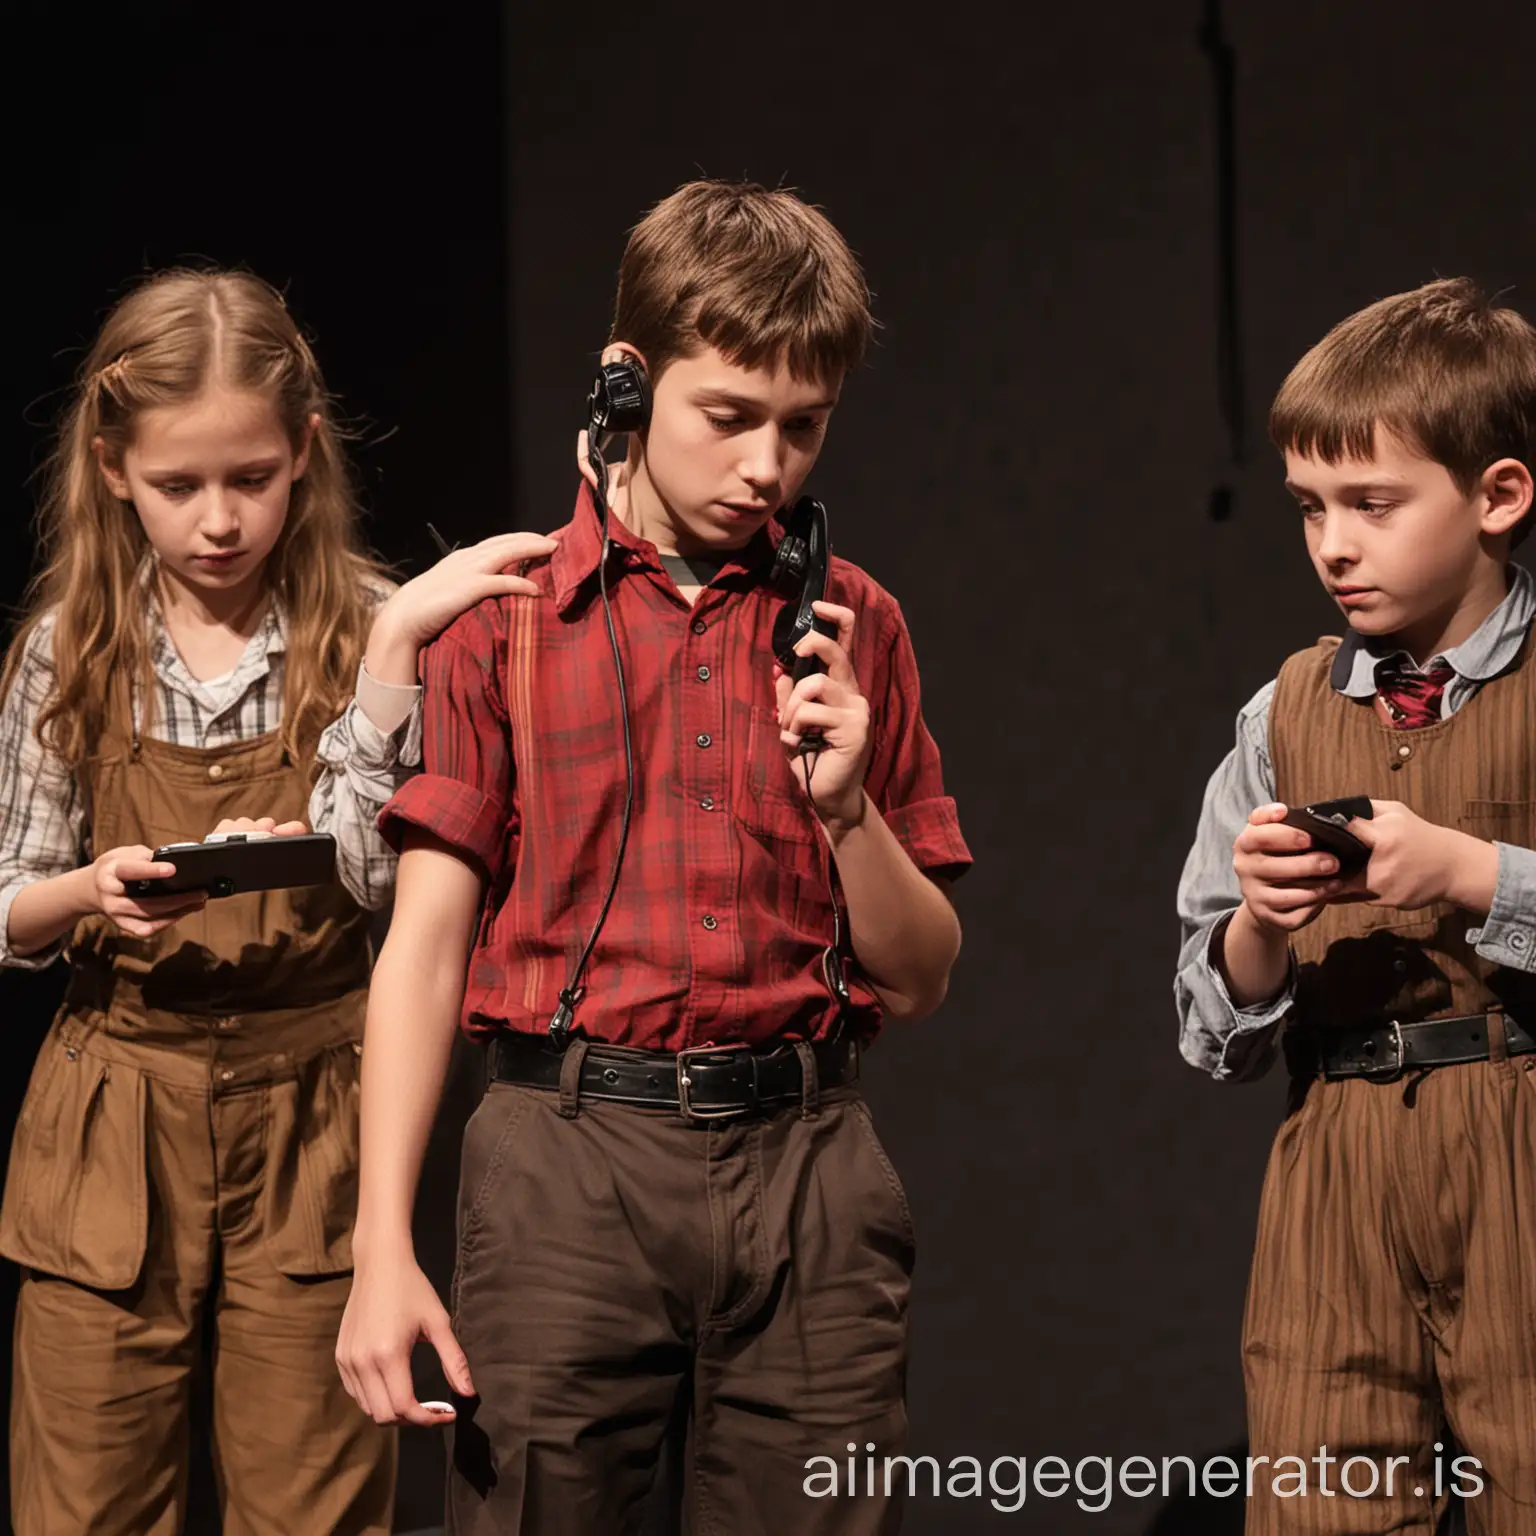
pixel 216 771
pixel 703 674
pixel 702 739
pixel 707 803
pixel 1405 751
pixel 699 626
pixel 711 922
pixel 225 1075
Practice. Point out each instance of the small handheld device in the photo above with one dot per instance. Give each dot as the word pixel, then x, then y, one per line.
pixel 231 863
pixel 800 568
pixel 1327 823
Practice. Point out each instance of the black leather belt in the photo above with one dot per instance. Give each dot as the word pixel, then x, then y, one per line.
pixel 1386 1053
pixel 705 1082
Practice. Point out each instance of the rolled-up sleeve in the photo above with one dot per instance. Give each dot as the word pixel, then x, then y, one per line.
pixel 905 778
pixel 365 757
pixel 464 793
pixel 1215 1035
pixel 42 820
pixel 1508 936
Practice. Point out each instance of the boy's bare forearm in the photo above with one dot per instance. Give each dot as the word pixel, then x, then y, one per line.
pixel 902 927
pixel 413 1010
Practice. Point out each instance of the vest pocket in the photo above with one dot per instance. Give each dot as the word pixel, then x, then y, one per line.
pixel 76 1191
pixel 1501 821
pixel 311 1176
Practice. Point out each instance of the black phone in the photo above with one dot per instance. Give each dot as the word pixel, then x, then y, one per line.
pixel 1327 823
pixel 231 863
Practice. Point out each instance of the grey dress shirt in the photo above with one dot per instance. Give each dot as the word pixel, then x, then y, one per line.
pixel 1239 1043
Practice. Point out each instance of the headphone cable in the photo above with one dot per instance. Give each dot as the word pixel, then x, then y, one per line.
pixel 571 994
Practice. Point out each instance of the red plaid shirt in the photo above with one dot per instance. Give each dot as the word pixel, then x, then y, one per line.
pixel 721 917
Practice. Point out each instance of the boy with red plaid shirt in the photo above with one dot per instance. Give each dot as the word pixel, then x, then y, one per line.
pixel 686 1204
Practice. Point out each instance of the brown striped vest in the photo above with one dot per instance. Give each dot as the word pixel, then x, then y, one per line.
pixel 1362 964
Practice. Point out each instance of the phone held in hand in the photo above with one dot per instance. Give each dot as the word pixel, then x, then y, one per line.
pixel 229 864
pixel 1327 823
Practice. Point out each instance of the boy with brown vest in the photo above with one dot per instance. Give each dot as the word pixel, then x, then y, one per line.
pixel 1393 1289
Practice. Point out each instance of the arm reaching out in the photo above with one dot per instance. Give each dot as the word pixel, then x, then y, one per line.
pixel 413 1011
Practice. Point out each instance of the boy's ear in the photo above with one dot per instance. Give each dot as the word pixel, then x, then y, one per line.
pixel 1507 489
pixel 112 473
pixel 622 352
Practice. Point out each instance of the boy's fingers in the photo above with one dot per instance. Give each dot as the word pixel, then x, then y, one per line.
pixel 832 653
pixel 439 1332
pixel 1261 815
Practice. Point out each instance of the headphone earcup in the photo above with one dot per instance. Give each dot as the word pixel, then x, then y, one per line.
pixel 620 399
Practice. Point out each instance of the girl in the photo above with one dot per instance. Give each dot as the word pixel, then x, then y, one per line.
pixel 184 1167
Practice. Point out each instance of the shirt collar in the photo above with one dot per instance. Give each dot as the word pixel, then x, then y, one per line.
pixel 576 557
pixel 269 639
pixel 1484 654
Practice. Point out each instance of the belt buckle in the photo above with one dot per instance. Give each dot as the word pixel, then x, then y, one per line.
pixel 1389 1073
pixel 685 1082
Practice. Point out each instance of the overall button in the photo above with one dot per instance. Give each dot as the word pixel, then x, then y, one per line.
pixel 711 922
pixel 216 770
pixel 1405 751
pixel 704 674
pixel 703 739
pixel 227 1023
pixel 226 1075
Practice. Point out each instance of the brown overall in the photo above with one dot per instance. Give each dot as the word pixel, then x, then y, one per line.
pixel 186 1160
pixel 1394 1278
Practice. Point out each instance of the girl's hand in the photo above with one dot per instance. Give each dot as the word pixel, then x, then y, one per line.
pixel 428 604
pixel 141 917
pixel 260 824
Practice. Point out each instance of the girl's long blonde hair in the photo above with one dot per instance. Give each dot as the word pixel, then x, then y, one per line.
pixel 167 341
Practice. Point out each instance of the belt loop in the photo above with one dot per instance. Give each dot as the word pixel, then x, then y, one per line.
pixel 810 1083
pixel 1497 1025
pixel 570 1078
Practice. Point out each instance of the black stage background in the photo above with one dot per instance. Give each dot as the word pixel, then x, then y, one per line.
pixel 1028 464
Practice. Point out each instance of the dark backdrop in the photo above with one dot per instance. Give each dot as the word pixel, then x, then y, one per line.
pixel 1027 464
pixel 356 162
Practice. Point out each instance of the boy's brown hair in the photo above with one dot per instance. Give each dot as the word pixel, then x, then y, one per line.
pixel 1441 367
pixel 757 274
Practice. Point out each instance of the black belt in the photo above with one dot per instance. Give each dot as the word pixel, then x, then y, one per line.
pixel 1386 1053
pixel 704 1082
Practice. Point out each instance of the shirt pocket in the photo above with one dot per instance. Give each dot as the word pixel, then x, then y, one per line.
pixel 76 1190
pixel 770 805
pixel 312 1155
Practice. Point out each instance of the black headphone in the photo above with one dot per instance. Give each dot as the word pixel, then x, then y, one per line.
pixel 619 401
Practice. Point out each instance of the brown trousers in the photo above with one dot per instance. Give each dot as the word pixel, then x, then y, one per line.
pixel 1393 1291
pixel 619 1264
pixel 154 1188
